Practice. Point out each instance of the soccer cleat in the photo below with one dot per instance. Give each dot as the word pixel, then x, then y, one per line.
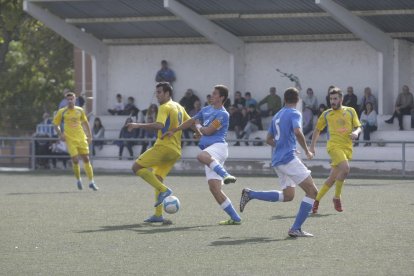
pixel 229 222
pixel 154 218
pixel 315 207
pixel 93 186
pixel 337 204
pixel 244 199
pixel 229 179
pixel 162 196
pixel 79 183
pixel 297 233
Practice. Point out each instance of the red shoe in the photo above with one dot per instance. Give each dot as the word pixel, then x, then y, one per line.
pixel 337 204
pixel 315 207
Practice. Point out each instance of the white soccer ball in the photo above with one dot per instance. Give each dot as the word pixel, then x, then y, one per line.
pixel 171 204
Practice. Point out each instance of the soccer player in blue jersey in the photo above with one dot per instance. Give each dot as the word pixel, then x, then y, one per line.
pixel 283 133
pixel 212 123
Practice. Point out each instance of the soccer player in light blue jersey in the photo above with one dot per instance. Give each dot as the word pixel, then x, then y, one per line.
pixel 212 123
pixel 283 133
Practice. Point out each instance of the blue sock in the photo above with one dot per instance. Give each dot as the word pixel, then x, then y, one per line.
pixel 229 209
pixel 218 169
pixel 267 195
pixel 304 210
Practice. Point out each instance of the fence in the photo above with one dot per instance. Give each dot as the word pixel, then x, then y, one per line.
pixel 23 153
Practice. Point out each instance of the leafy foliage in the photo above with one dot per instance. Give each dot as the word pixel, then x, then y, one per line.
pixel 36 65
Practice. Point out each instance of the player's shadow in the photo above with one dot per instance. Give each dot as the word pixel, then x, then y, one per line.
pixel 41 193
pixel 226 241
pixel 146 228
pixel 278 217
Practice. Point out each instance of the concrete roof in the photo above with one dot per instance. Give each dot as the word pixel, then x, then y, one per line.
pixel 148 22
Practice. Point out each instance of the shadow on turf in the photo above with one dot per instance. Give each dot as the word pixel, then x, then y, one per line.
pixel 292 217
pixel 147 228
pixel 257 240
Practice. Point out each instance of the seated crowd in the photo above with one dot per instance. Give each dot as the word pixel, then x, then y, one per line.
pixel 246 114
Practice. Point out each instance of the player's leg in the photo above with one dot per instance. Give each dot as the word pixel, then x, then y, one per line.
pixel 224 202
pixel 83 149
pixel 298 174
pixel 207 157
pixel 74 155
pixel 343 171
pixel 271 196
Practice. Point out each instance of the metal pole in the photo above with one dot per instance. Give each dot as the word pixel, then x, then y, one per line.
pixel 403 159
pixel 33 154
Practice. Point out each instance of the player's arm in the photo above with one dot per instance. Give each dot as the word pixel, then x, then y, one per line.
pixel 302 142
pixel 59 132
pixel 354 134
pixel 87 130
pixel 212 128
pixel 270 140
pixel 56 122
pixel 315 137
pixel 187 124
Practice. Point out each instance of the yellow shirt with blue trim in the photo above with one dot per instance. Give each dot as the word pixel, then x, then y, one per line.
pixel 171 114
pixel 340 124
pixel 72 123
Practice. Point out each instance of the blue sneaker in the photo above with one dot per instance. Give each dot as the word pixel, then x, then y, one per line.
pixel 154 218
pixel 93 186
pixel 162 196
pixel 79 183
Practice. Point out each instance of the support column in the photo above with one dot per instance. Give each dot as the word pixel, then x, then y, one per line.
pixel 377 39
pixel 217 35
pixel 84 41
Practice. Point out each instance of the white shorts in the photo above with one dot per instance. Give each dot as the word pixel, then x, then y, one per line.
pixel 292 173
pixel 220 152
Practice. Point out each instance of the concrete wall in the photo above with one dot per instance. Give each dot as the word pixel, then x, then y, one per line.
pixel 317 64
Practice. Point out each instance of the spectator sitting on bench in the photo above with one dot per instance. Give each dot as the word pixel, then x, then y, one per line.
pixel 254 123
pixel 403 106
pixel 118 107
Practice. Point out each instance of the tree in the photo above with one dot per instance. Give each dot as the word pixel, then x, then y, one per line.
pixel 35 66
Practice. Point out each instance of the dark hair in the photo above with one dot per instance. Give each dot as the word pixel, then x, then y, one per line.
pixel 164 61
pixel 335 90
pixel 166 87
pixel 131 98
pixel 291 95
pixel 247 94
pixel 118 95
pixel 70 94
pixel 223 90
pixel 97 119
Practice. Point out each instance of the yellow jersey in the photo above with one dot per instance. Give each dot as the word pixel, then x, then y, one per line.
pixel 72 123
pixel 340 124
pixel 171 114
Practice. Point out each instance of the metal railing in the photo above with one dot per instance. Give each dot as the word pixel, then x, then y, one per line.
pixel 21 151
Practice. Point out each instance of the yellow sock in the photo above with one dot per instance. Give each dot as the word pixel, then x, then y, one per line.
pixel 338 188
pixel 76 170
pixel 151 179
pixel 88 170
pixel 158 209
pixel 325 188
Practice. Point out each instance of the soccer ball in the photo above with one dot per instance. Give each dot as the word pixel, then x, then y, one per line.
pixel 171 204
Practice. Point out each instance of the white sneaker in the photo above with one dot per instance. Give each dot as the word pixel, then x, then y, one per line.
pixel 296 233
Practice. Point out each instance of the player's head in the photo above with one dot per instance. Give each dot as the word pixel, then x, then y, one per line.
pixel 71 99
pixel 291 95
pixel 163 92
pixel 220 94
pixel 335 98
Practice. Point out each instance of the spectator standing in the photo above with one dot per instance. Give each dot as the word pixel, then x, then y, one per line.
pixel 310 101
pixel 403 106
pixel 273 101
pixel 118 107
pixel 369 122
pixel 98 132
pixel 165 74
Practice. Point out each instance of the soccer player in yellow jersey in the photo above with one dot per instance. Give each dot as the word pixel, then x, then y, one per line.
pixel 77 135
pixel 343 127
pixel 165 152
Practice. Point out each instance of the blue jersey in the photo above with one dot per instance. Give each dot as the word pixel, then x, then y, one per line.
pixel 282 129
pixel 219 118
